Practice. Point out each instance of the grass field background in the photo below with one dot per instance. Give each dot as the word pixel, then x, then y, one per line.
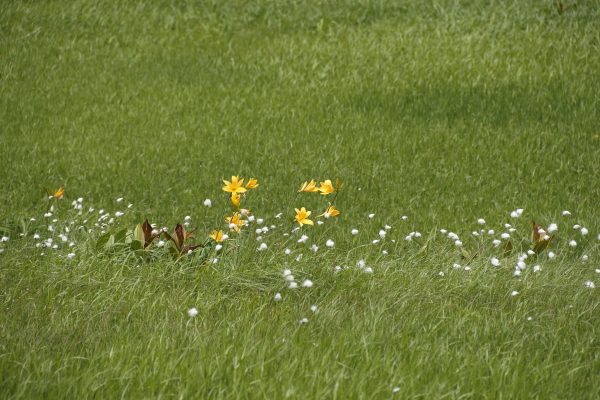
pixel 444 112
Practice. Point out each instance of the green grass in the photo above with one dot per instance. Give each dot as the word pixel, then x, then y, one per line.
pixel 445 112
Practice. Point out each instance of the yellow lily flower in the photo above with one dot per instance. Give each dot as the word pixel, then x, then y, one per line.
pixel 302 216
pixel 326 187
pixel 331 212
pixel 237 220
pixel 309 187
pixel 235 186
pixel 235 199
pixel 252 183
pixel 218 236
pixel 58 195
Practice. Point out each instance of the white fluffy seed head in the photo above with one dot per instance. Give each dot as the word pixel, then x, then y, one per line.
pixel 192 312
pixel 354 231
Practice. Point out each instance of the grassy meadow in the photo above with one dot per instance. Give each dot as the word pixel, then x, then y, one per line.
pixel 433 115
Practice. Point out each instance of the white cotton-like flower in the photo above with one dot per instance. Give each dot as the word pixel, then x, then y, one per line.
pixel 382 234
pixel 496 242
pixel 218 247
pixel 119 214
pixel 597 271
pixel 495 262
pixel 590 284
pixel 251 218
pixel 368 270
pixel 277 297
pixel 36 236
pixel 287 251
pixel 4 239
pixel 529 318
pixel 192 312
pixel 576 226
pixel 304 320
pixel 511 230
pixel 521 265
pixel 187 218
pixel 458 243
pixel 514 293
pixel 70 255
pixel 452 236
pixel 48 215
pixel 289 277
pixel 371 215
pixel 387 227
pixel 572 243
pixel 384 252
pixel 361 263
pixel 354 231
pixel 456 265
pixel 160 243
pixel 514 214
pixel 326 215
pixel 417 234
pixel 395 390
pixel 598 236
pixel 408 238
pixel 55 246
pixel 475 233
pixel 314 248
pixel 279 215
pixel 224 237
pixel 505 235
pixel 443 231
pixel 50 228
pixel 232 225
pixel 565 213
pixel 293 285
pixel 584 258
pixel 258 231
pixel 112 220
pixel 262 247
pixel 120 199
pixel 537 268
pixel 329 243
pixel 299 257
pixel 551 254
pixel 507 226
pixel 307 283
pixel 208 203
pixel 320 222
pixel 215 260
pixel 260 221
pixel 313 308
pixel 337 268
pixel 441 273
pixel 481 221
pixel 303 239
pixel 404 217
pixel 467 268
pixel 130 205
pixel 584 231
pixel 517 272
pixel 552 228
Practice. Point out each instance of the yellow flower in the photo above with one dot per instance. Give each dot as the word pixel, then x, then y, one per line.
pixel 302 216
pixel 218 236
pixel 326 187
pixel 309 187
pixel 58 195
pixel 236 220
pixel 235 186
pixel 235 199
pixel 331 212
pixel 252 183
